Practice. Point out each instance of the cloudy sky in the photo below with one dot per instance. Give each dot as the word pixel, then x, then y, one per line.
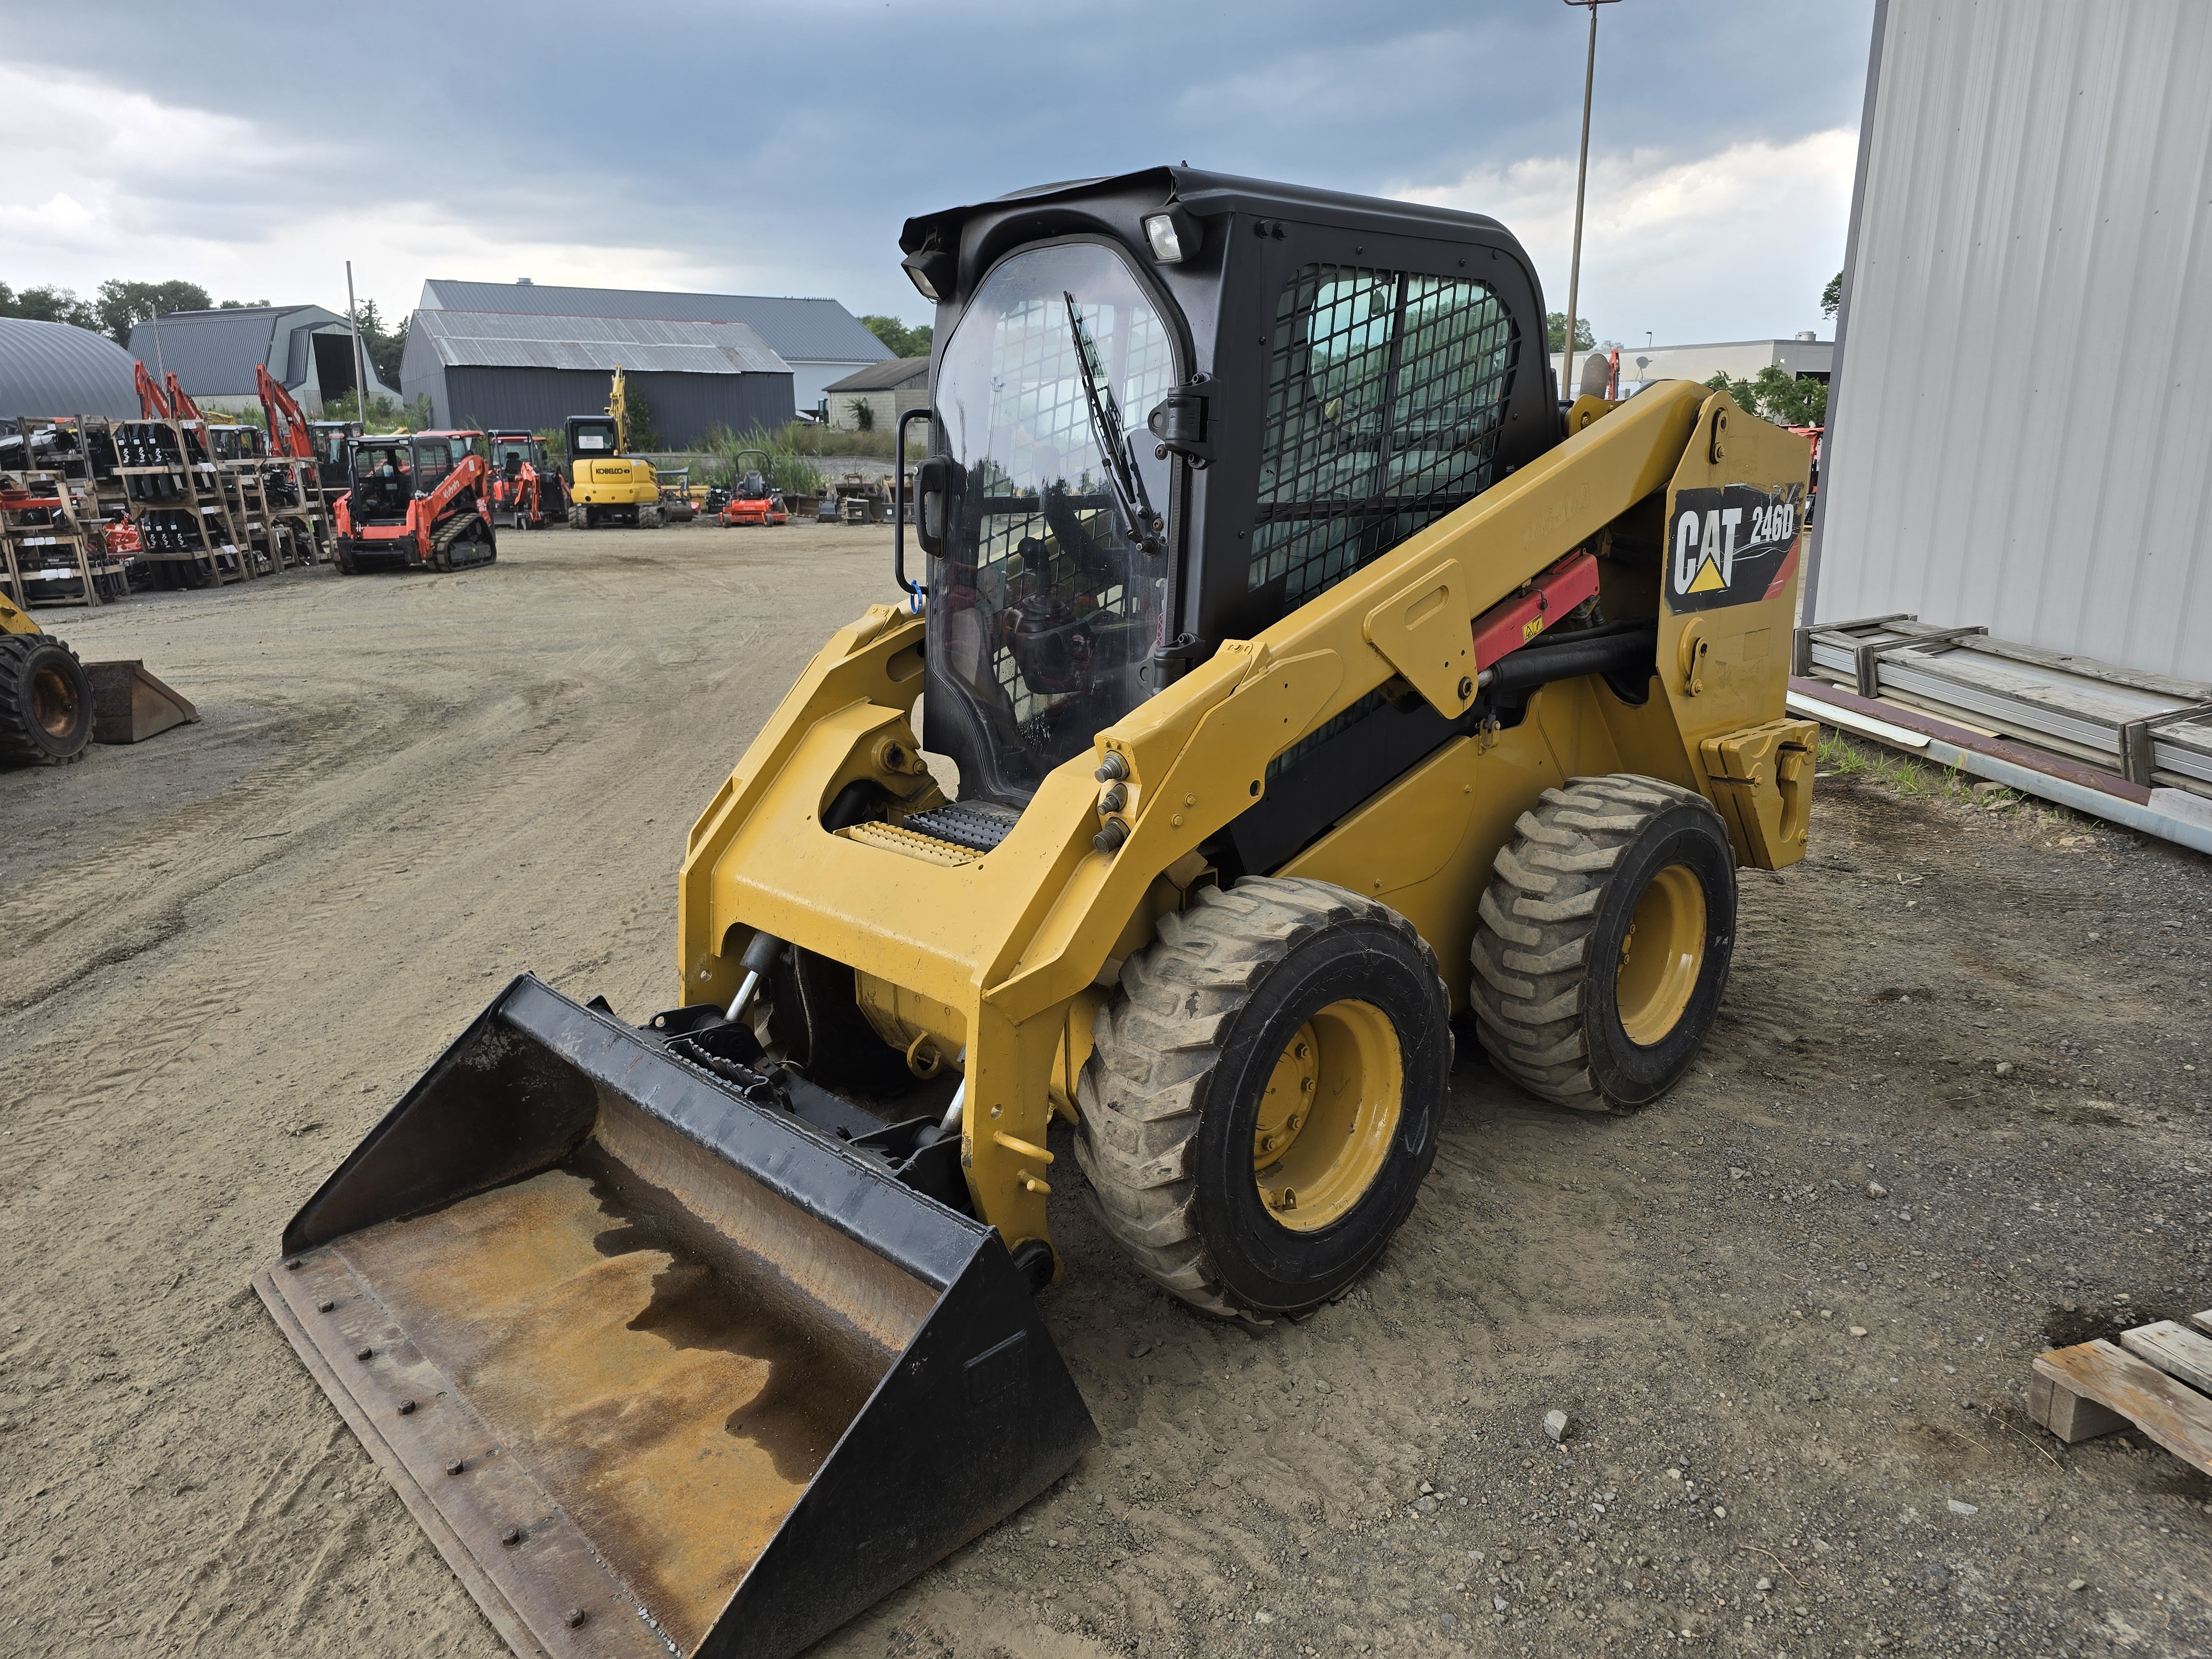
pixel 776 150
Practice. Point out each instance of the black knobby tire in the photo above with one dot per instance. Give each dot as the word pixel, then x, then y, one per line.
pixel 1553 1001
pixel 45 701
pixel 1172 1094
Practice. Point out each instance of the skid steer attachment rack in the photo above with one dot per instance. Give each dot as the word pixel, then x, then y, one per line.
pixel 661 1368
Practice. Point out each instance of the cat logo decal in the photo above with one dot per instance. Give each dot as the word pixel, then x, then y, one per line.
pixel 1732 545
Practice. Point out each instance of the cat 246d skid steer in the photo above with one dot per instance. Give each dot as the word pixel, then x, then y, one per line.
pixel 1294 674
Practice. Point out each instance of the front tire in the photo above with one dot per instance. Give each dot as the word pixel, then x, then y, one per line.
pixel 1265 1093
pixel 45 701
pixel 1604 941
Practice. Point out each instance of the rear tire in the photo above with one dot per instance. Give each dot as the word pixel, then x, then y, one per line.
pixel 45 701
pixel 1264 1096
pixel 1568 1002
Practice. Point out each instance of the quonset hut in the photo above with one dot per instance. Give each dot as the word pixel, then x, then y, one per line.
pixel 54 368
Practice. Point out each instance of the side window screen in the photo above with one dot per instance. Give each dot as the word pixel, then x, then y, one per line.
pixel 1386 394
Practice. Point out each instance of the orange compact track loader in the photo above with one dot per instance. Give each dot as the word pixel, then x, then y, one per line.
pixel 1302 675
pixel 419 500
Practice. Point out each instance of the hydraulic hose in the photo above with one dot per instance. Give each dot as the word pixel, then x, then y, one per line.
pixel 1621 648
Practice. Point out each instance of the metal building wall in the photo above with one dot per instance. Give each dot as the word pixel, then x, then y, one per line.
pixel 2024 400
pixel 684 405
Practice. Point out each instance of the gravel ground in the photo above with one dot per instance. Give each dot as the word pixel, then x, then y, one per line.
pixel 1952 1114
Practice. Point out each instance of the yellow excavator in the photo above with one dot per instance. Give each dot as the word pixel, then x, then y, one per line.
pixel 608 485
pixel 1291 674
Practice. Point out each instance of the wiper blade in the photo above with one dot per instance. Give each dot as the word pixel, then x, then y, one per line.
pixel 1124 480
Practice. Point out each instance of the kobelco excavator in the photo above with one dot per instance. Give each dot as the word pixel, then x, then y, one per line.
pixel 608 484
pixel 1295 672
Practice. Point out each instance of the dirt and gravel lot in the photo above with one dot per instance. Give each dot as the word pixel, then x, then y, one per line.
pixel 1954 1113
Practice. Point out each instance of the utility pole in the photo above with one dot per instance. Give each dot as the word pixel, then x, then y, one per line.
pixel 1582 176
pixel 360 359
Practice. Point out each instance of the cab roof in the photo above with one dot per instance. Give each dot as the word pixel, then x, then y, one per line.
pixel 1205 194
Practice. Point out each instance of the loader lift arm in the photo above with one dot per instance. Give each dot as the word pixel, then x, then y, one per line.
pixel 1014 943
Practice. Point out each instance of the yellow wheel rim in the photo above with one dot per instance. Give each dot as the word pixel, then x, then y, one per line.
pixel 1662 956
pixel 54 702
pixel 1327 1118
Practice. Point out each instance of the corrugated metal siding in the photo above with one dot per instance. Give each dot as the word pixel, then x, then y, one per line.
pixel 504 340
pixel 795 328
pixel 684 405
pixel 214 353
pixel 2025 403
pixel 51 368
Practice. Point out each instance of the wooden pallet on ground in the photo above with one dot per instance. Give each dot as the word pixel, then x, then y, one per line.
pixel 2157 1378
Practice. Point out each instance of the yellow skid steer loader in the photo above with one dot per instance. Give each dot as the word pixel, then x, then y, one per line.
pixel 1292 671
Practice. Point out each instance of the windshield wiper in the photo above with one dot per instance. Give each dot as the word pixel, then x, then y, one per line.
pixel 1124 481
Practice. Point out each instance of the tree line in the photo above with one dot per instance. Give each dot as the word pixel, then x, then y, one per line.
pixel 115 309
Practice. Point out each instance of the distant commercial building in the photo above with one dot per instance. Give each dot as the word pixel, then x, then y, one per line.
pixel 818 340
pixel 495 369
pixel 1807 356
pixel 886 390
pixel 213 354
pixel 52 368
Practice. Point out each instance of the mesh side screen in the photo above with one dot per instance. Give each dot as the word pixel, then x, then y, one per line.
pixel 1386 395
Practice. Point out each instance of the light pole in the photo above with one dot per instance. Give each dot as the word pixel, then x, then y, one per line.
pixel 1582 176
pixel 359 357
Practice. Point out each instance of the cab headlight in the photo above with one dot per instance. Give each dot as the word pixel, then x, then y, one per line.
pixel 1174 235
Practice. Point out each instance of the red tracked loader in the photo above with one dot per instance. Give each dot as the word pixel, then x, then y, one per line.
pixel 418 501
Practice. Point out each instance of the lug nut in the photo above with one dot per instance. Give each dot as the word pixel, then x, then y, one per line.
pixel 406 1408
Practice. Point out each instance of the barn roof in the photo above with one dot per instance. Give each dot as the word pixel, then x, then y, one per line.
pixel 493 339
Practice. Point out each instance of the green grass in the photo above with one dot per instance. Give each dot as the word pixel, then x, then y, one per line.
pixel 1841 755
pixel 797 438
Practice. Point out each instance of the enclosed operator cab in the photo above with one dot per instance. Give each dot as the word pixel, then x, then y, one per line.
pixel 607 487
pixel 1140 455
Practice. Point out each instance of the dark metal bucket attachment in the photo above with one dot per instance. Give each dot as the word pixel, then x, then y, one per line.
pixel 659 1369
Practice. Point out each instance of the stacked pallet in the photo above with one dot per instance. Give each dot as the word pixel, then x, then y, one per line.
pixel 186 532
pixel 2157 1378
pixel 53 549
